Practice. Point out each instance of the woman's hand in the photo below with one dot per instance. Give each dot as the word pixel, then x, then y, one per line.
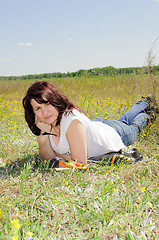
pixel 45 150
pixel 43 126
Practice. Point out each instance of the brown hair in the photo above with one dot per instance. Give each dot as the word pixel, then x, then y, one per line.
pixel 46 90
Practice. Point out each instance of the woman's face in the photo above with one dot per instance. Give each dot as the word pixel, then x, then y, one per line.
pixel 45 112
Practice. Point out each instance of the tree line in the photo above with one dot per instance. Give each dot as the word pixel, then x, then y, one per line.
pixel 105 71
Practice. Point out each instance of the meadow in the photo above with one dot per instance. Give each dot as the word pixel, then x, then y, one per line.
pixel 117 202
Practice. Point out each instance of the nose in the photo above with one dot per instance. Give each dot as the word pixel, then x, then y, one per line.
pixel 45 111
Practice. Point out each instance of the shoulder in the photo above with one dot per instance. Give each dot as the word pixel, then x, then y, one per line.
pixel 68 117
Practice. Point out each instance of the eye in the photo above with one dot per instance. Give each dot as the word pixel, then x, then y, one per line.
pixel 37 108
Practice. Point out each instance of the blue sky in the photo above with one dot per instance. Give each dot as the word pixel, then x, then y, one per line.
pixel 45 36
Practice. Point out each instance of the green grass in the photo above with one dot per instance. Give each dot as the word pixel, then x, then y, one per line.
pixel 118 202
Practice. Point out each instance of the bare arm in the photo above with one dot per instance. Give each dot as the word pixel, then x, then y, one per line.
pixel 76 136
pixel 45 150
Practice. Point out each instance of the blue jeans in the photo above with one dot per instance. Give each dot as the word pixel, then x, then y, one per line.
pixel 131 123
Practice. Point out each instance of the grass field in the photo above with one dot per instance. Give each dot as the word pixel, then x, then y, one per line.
pixel 118 202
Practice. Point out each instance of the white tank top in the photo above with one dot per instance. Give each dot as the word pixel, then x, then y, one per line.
pixel 101 138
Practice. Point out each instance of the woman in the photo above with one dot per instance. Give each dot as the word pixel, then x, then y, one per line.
pixel 65 131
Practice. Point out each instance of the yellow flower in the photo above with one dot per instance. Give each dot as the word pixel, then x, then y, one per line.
pixel 116 190
pixel 41 176
pixel 66 183
pixel 64 180
pixel 15 225
pixel 150 222
pixel 30 234
pixel 1 214
pixel 14 237
pixel 143 189
pixel 149 205
pixel 138 199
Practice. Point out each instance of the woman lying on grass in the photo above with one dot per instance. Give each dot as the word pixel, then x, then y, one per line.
pixel 64 131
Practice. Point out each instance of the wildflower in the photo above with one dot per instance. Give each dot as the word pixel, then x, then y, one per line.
pixel 14 237
pixel 150 222
pixel 143 189
pixel 139 184
pixel 116 190
pixel 15 225
pixel 149 205
pixel 138 199
pixel 66 183
pixel 64 180
pixel 41 176
pixel 1 214
pixel 30 234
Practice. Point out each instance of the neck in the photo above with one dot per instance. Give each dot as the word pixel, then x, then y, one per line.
pixel 55 130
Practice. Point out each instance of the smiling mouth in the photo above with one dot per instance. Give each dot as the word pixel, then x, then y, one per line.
pixel 48 117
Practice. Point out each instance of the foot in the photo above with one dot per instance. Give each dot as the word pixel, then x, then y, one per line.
pixel 152 103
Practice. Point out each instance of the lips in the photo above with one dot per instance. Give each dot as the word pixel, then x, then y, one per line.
pixel 48 117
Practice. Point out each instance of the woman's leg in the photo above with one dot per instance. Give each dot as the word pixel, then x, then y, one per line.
pixel 135 110
pixel 131 123
pixel 128 133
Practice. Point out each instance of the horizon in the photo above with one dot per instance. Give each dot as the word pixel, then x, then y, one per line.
pixel 73 71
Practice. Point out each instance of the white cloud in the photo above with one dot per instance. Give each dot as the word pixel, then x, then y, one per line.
pixel 7 59
pixel 128 38
pixel 145 41
pixel 69 39
pixel 104 53
pixel 156 40
pixel 25 44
